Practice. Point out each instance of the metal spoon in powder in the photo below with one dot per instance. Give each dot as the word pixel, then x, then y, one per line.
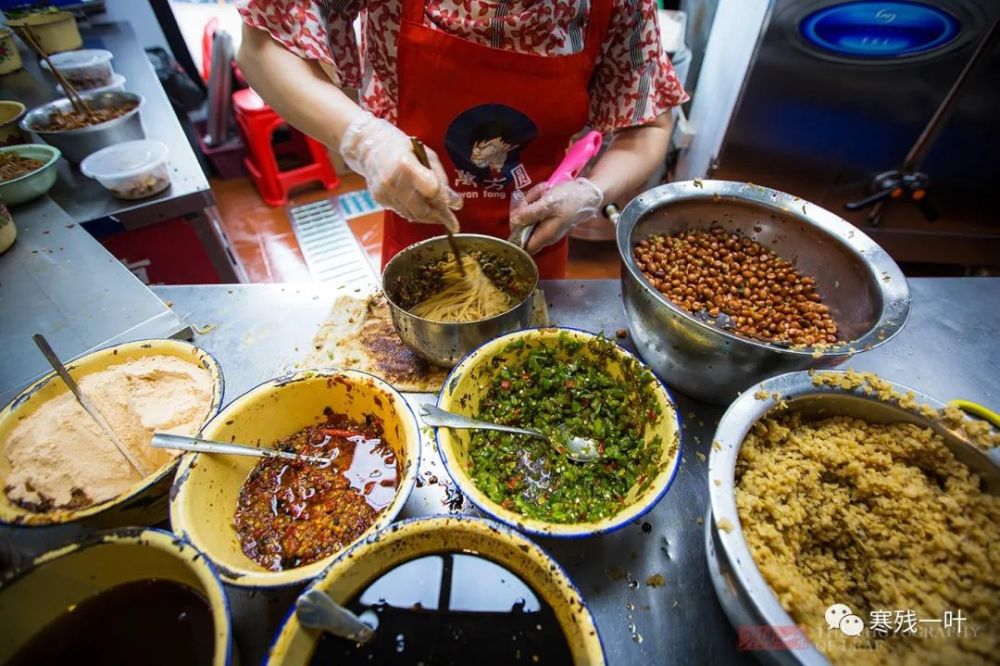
pixel 60 369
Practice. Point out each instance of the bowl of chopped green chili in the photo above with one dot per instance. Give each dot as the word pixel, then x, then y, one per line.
pixel 562 382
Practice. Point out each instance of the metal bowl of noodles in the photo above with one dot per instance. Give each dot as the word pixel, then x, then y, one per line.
pixel 446 343
pixel 77 143
pixel 863 287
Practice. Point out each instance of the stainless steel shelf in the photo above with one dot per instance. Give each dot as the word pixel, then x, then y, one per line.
pixel 83 198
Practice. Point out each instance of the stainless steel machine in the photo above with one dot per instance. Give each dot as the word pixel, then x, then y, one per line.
pixel 849 103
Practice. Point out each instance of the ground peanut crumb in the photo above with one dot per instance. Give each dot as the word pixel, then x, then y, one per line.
pixel 877 517
pixel 977 431
pixel 656 580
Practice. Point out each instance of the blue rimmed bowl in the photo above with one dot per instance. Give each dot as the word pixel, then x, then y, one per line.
pixel 468 383
pixel 145 502
pixel 408 540
pixel 33 597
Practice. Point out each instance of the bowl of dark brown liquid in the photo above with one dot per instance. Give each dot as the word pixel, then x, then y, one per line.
pixel 448 591
pixel 126 596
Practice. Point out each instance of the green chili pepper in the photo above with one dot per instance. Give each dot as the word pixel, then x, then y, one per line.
pixel 566 387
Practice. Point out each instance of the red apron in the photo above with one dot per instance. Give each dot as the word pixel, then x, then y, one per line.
pixel 498 120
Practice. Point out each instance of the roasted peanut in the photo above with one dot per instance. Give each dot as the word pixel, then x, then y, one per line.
pixel 727 272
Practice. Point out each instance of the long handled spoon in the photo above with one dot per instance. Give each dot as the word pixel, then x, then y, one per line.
pixel 164 440
pixel 578 449
pixel 60 369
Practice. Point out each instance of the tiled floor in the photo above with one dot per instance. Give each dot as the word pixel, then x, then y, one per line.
pixel 263 239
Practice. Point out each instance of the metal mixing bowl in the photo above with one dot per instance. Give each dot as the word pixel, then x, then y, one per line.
pixel 76 144
pixel 865 290
pixel 745 596
pixel 442 343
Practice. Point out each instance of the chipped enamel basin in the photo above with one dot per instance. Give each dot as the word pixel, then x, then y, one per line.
pixel 356 568
pixel 206 488
pixel 33 597
pixel 145 503
pixel 467 384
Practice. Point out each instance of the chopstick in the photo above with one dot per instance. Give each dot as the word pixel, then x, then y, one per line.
pixel 79 104
pixel 421 152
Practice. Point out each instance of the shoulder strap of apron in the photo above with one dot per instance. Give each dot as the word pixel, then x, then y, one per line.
pixel 597 26
pixel 413 11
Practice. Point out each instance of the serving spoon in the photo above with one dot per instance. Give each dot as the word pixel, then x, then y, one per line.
pixel 88 406
pixel 163 440
pixel 578 449
pixel 316 610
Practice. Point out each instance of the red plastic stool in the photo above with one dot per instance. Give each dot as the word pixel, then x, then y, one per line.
pixel 207 37
pixel 258 122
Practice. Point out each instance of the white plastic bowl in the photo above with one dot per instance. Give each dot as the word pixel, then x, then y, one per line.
pixel 85 69
pixel 130 170
pixel 117 85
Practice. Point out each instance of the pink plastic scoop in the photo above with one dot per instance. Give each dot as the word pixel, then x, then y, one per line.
pixel 577 157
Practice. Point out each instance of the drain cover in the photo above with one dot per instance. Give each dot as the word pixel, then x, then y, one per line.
pixel 357 203
pixel 331 251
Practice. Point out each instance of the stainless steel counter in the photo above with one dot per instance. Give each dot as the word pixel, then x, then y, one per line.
pixel 58 281
pixel 84 199
pixel 946 349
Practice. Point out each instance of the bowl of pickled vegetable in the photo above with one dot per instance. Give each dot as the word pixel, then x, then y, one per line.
pixel 562 382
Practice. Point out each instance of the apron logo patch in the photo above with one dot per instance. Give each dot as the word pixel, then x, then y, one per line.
pixel 485 144
pixel 521 177
pixel 491 154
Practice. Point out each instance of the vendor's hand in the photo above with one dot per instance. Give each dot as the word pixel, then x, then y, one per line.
pixel 556 210
pixel 383 154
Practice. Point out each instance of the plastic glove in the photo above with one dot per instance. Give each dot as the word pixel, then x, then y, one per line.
pixel 383 154
pixel 557 210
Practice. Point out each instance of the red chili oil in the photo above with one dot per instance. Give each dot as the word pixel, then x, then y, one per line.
pixel 292 513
